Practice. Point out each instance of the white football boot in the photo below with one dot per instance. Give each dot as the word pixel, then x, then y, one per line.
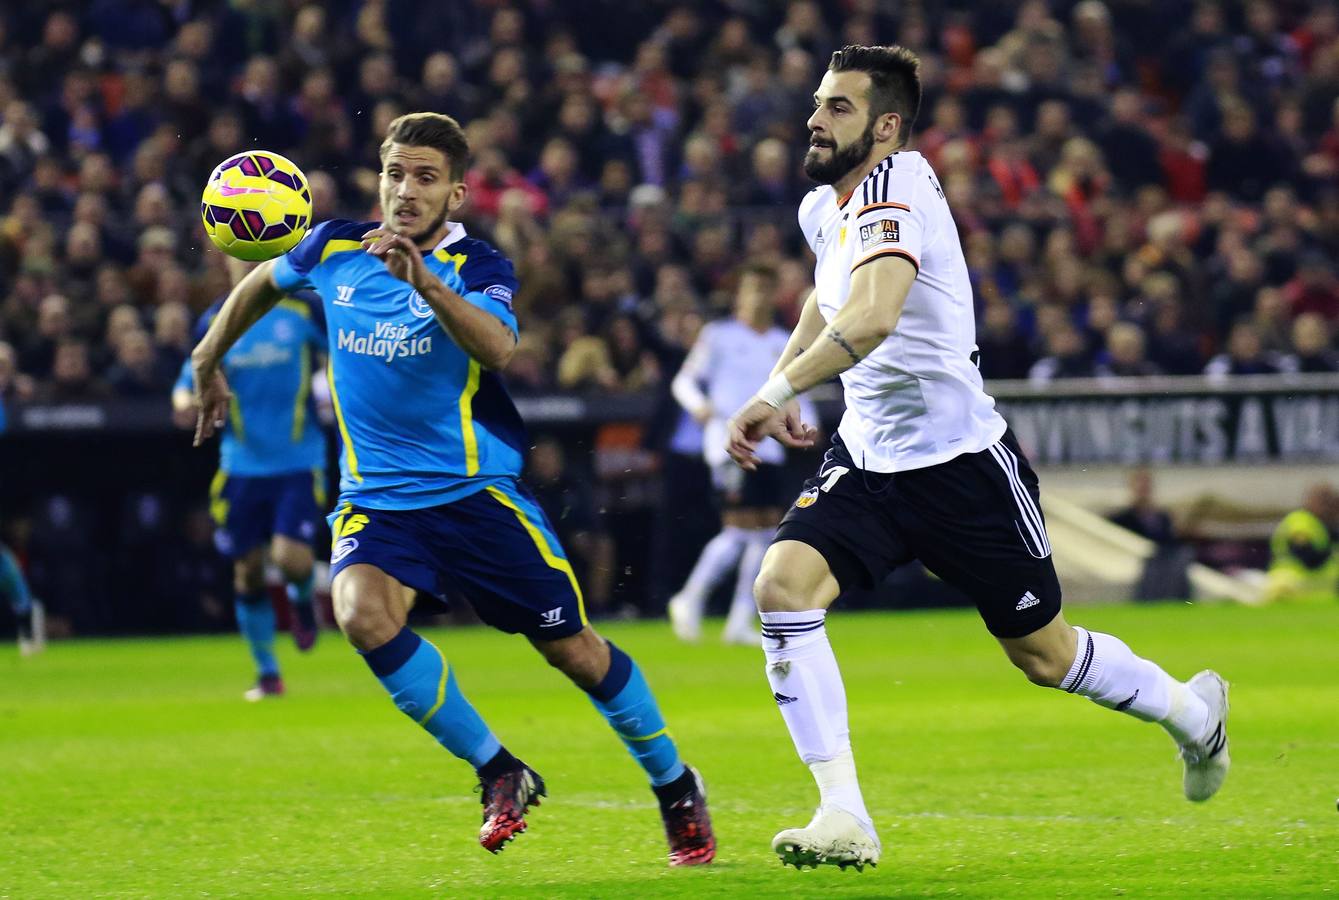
pixel 1207 759
pixel 833 837
pixel 684 618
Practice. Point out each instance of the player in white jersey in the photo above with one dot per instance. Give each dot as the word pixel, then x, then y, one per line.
pixel 724 367
pixel 922 466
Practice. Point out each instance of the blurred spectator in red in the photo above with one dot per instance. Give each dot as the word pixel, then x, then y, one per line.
pixel 1314 288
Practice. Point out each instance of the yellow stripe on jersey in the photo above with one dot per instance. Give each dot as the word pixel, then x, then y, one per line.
pixel 235 419
pixel 467 435
pixel 296 306
pixel 318 487
pixel 457 258
pixel 218 506
pixel 304 389
pixel 339 246
pixel 350 455
pixel 553 560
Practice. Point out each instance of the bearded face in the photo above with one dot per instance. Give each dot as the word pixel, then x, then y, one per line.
pixel 827 161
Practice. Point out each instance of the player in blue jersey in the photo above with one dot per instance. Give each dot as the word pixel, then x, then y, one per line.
pixel 28 611
pixel 270 487
pixel 420 322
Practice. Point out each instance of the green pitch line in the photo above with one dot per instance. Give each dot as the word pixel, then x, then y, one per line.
pixel 134 769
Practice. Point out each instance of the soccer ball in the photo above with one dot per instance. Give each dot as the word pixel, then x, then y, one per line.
pixel 256 205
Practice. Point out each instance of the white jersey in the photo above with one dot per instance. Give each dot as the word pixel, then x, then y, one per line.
pixel 917 400
pixel 729 362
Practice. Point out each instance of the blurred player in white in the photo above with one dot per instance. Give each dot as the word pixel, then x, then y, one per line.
pixel 726 363
pixel 922 467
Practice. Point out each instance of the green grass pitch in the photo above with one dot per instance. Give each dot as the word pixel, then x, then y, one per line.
pixel 134 769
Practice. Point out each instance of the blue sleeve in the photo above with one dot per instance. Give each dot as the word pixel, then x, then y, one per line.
pixel 316 321
pixel 292 271
pixel 490 284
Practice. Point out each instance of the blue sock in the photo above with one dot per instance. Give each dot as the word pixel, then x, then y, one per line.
pixel 255 619
pixel 626 701
pixel 300 598
pixel 424 688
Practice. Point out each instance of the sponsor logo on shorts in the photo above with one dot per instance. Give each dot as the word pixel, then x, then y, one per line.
pixel 343 547
pixel 884 231
pixel 1029 600
pixel 552 617
pixel 807 499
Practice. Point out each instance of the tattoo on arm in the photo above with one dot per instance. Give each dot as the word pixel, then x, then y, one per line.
pixel 836 337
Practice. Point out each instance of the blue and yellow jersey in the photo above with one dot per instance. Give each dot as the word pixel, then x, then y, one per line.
pixel 272 428
pixel 422 422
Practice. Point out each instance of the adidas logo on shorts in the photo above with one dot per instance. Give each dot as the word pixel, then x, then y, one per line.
pixel 1029 600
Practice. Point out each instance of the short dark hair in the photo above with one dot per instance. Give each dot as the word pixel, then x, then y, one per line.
pixel 764 270
pixel 429 129
pixel 895 80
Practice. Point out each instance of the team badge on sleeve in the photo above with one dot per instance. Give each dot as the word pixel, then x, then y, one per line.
pixel 883 231
pixel 501 293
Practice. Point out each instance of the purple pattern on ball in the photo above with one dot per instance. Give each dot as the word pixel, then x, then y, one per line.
pixel 248 166
pixel 255 220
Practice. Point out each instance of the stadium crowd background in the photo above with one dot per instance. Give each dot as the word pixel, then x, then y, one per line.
pixel 1141 188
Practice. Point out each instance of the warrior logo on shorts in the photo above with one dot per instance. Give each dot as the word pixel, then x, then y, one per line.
pixel 343 547
pixel 806 499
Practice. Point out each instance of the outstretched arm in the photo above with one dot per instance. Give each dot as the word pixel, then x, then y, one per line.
pixel 252 298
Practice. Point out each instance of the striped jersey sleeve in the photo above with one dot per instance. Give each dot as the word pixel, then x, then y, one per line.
pixel 887 221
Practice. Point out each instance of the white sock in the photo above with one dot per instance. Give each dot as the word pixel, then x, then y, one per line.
pixel 1107 672
pixel 807 686
pixel 742 608
pixel 715 562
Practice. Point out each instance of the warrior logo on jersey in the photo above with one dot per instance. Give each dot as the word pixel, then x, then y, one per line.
pixel 883 231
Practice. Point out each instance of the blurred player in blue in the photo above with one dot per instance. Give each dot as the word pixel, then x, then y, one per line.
pixel 420 322
pixel 28 611
pixel 270 488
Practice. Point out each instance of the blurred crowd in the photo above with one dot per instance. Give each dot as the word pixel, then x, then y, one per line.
pixel 1141 188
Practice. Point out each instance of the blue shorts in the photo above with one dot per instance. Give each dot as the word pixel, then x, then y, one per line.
pixel 495 546
pixel 248 509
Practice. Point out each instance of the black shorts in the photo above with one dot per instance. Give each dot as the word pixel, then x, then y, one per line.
pixel 975 521
pixel 763 488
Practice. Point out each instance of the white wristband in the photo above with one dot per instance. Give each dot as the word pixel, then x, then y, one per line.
pixel 777 392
